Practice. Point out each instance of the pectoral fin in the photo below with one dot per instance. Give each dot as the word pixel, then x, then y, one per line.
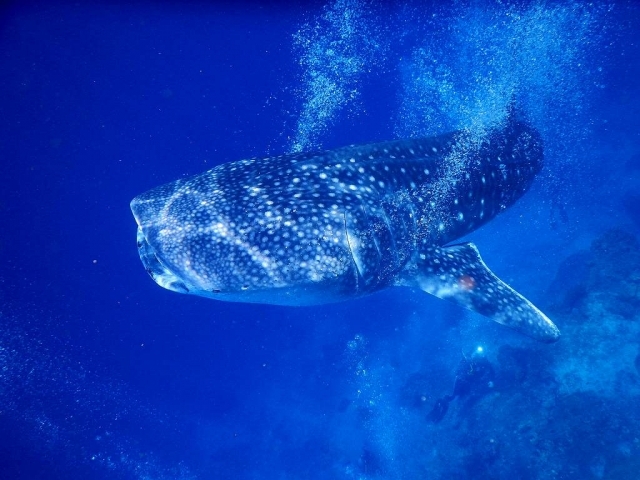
pixel 457 273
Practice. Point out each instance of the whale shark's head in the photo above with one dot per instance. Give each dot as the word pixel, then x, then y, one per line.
pixel 223 235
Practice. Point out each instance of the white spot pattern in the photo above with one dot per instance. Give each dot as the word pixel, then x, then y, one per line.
pixel 317 227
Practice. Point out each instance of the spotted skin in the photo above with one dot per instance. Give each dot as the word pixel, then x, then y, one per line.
pixel 458 273
pixel 320 227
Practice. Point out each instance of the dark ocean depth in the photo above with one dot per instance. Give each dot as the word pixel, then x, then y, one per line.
pixel 105 375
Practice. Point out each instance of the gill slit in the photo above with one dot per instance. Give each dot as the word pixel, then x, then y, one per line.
pixel 353 259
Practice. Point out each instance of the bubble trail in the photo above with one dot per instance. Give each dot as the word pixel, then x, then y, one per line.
pixel 335 51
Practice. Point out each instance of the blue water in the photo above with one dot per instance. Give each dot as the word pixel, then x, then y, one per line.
pixel 103 375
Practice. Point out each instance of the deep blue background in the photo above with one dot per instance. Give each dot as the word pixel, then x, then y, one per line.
pixel 103 101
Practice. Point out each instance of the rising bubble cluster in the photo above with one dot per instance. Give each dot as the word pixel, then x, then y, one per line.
pixel 335 51
pixel 478 59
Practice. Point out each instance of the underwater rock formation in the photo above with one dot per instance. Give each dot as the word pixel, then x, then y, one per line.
pixel 568 410
pixel 603 280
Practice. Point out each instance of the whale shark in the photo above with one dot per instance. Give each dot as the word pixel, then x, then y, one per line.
pixel 327 226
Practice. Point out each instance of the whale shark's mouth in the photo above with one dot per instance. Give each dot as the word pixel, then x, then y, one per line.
pixel 156 269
